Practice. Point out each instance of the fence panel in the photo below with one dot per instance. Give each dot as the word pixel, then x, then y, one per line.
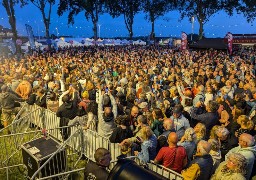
pixel 80 142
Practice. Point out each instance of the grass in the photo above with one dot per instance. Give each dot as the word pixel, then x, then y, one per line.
pixel 12 145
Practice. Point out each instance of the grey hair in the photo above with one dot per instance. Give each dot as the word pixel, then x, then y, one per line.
pixel 249 139
pixel 204 147
pixel 223 131
pixel 240 161
pixel 190 134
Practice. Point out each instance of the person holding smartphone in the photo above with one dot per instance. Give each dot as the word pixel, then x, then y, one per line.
pixel 145 143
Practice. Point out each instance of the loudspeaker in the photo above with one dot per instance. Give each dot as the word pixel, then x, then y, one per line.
pixel 35 153
pixel 127 169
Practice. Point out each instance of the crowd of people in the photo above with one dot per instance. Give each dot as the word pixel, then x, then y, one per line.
pixel 191 111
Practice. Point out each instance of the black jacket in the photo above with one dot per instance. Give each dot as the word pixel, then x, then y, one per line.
pixel 34 99
pixel 209 119
pixel 68 109
pixel 119 134
pixel 94 171
pixel 8 100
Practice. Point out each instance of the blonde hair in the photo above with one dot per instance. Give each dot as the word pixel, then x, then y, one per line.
pixel 202 131
pixel 213 134
pixel 244 121
pixel 146 133
pixel 189 134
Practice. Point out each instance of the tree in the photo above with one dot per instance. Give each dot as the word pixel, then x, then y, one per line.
pixel 92 9
pixel 128 8
pixel 155 9
pixel 45 7
pixel 202 10
pixel 248 8
pixel 9 7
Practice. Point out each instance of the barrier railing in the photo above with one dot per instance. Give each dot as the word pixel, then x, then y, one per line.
pixel 53 166
pixel 168 173
pixel 82 142
pixel 11 162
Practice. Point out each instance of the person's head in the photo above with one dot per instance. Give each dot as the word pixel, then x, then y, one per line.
pixel 168 124
pixel 215 144
pixel 172 139
pixel 246 140
pixel 158 114
pixel 236 162
pixel 189 134
pixel 236 112
pixel 107 111
pixel 134 111
pixel 213 134
pixel 245 122
pixel 177 110
pixel 92 107
pixel 142 120
pixel 122 120
pixel 200 129
pixel 66 98
pixel 201 88
pixel 4 88
pixel 212 106
pixel 222 133
pixel 102 157
pixel 203 148
pixel 146 133
pixel 85 95
pixel 166 94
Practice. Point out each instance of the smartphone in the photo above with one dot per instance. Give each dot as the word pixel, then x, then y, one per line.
pixel 106 90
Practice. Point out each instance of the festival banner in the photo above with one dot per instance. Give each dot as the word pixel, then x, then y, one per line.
pixel 184 41
pixel 229 36
pixel 30 36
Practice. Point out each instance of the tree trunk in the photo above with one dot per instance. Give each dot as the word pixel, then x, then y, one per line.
pixel 130 34
pixel 95 30
pixel 201 30
pixel 9 6
pixel 152 35
pixel 47 31
pixel 130 27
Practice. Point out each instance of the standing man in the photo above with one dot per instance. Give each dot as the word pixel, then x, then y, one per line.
pixel 9 105
pixel 180 122
pixel 67 111
pixel 106 115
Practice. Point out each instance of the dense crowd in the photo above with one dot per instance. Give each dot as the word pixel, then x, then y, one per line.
pixel 192 111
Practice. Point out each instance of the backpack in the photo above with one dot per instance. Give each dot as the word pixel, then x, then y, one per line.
pixel 191 173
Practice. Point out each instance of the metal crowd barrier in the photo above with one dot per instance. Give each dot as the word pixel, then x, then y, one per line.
pixel 81 142
pixel 11 162
pixel 168 173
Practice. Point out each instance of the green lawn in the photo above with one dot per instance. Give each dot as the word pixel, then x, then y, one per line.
pixel 10 146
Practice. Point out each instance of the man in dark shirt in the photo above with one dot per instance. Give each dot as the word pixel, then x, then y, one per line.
pixel 97 170
pixel 9 104
pixel 67 111
pixel 209 118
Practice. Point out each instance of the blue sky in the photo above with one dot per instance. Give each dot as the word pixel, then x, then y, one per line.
pixel 166 26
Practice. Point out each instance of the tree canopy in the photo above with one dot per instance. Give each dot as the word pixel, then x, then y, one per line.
pixel 202 10
pixel 45 7
pixel 127 8
pixel 91 8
